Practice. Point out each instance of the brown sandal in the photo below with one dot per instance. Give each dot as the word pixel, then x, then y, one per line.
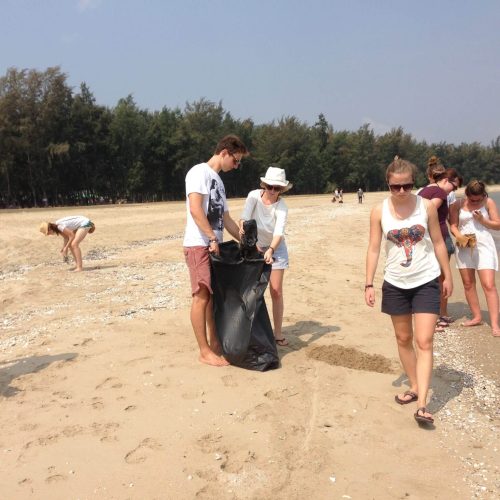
pixel 421 418
pixel 282 342
pixel 400 401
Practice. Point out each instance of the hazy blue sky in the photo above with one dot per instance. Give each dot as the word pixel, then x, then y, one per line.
pixel 432 67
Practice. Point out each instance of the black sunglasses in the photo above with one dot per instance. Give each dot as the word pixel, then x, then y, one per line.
pixel 396 188
pixel 273 188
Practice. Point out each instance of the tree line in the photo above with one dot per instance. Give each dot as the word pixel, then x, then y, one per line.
pixel 60 147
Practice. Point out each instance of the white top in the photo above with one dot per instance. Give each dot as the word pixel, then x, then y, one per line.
pixel 271 219
pixel 204 180
pixel 484 255
pixel 452 198
pixel 411 261
pixel 72 222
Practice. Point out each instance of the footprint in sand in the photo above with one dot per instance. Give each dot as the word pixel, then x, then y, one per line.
pixel 55 478
pixel 142 451
pixel 109 383
pixel 209 443
pixel 229 381
pixel 137 360
pixel 97 403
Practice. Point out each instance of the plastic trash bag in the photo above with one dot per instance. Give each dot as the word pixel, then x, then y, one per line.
pixel 240 312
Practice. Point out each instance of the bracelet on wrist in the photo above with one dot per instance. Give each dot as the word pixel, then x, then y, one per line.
pixel 271 248
pixel 368 286
pixel 213 240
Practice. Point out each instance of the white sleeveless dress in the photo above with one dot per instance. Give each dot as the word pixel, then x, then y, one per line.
pixel 484 255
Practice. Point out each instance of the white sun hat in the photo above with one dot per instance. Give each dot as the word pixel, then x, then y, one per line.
pixel 276 177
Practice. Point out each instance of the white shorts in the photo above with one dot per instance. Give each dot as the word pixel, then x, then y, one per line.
pixel 280 256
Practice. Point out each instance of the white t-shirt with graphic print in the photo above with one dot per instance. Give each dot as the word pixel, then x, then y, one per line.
pixel 204 180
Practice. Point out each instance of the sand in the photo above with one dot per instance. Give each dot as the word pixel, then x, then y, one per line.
pixel 102 396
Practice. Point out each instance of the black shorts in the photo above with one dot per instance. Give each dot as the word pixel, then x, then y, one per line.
pixel 422 299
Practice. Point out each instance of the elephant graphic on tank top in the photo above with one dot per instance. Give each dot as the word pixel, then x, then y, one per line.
pixel 407 237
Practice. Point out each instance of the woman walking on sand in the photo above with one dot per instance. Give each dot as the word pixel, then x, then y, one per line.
pixel 266 206
pixel 444 182
pixel 416 256
pixel 73 229
pixel 471 220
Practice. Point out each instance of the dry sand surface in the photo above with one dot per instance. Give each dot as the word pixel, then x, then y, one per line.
pixel 102 396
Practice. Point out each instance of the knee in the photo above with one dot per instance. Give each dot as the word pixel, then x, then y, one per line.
pixel 424 344
pixel 489 287
pixel 469 285
pixel 405 340
pixel 276 293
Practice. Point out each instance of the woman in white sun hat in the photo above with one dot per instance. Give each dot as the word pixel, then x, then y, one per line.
pixel 266 206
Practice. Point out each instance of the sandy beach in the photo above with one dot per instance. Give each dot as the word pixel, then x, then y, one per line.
pixel 102 396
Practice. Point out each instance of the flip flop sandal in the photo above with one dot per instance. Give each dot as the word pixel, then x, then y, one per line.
pixel 439 329
pixel 446 319
pixel 421 418
pixel 282 342
pixel 400 401
pixel 442 324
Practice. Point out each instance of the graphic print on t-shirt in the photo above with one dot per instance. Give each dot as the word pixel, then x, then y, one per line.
pixel 407 237
pixel 215 210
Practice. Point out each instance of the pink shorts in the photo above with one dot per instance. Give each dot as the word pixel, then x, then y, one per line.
pixel 198 264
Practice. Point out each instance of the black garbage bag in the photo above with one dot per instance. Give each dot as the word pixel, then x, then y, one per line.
pixel 240 312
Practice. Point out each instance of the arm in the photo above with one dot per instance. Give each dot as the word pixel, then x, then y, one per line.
pixel 268 255
pixel 68 236
pixel 199 217
pixel 437 202
pixel 439 249
pixel 453 216
pixel 250 203
pixel 494 222
pixel 231 226
pixel 373 253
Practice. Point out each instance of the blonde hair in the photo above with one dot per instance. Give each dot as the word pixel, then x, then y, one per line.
pixel 399 166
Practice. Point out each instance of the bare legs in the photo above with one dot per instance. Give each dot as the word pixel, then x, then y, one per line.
pixel 487 279
pixel 201 317
pixel 276 290
pixel 417 365
pixel 75 248
pixel 469 281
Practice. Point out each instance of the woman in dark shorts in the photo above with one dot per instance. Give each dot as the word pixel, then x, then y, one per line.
pixel 415 257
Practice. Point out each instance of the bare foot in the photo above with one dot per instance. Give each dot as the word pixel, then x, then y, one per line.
pixel 216 348
pixel 496 332
pixel 77 270
pixel 472 322
pixel 210 358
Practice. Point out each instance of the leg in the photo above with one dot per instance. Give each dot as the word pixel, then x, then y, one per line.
pixel 276 290
pixel 213 340
pixel 201 300
pixel 403 330
pixel 75 247
pixel 487 278
pixel 469 281
pixel 424 333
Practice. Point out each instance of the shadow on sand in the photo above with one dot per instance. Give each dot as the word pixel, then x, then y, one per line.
pixel 10 370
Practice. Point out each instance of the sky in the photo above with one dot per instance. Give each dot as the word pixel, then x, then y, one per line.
pixel 431 67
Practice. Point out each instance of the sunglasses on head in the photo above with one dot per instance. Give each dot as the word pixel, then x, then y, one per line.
pixel 273 188
pixel 396 188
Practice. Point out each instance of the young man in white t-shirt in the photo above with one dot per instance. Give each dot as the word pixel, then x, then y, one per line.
pixel 207 216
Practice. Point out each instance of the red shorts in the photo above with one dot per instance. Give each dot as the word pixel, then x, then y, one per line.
pixel 198 263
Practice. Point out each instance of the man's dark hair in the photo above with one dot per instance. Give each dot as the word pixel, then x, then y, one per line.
pixel 233 144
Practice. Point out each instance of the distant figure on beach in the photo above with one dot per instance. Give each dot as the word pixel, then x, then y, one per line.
pixel 335 195
pixel 471 220
pixel 341 195
pixel 269 210
pixel 443 182
pixel 361 195
pixel 415 257
pixel 207 216
pixel 73 229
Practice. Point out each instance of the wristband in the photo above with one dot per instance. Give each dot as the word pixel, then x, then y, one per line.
pixel 271 248
pixel 368 286
pixel 213 240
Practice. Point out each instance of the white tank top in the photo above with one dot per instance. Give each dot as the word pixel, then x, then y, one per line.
pixel 411 260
